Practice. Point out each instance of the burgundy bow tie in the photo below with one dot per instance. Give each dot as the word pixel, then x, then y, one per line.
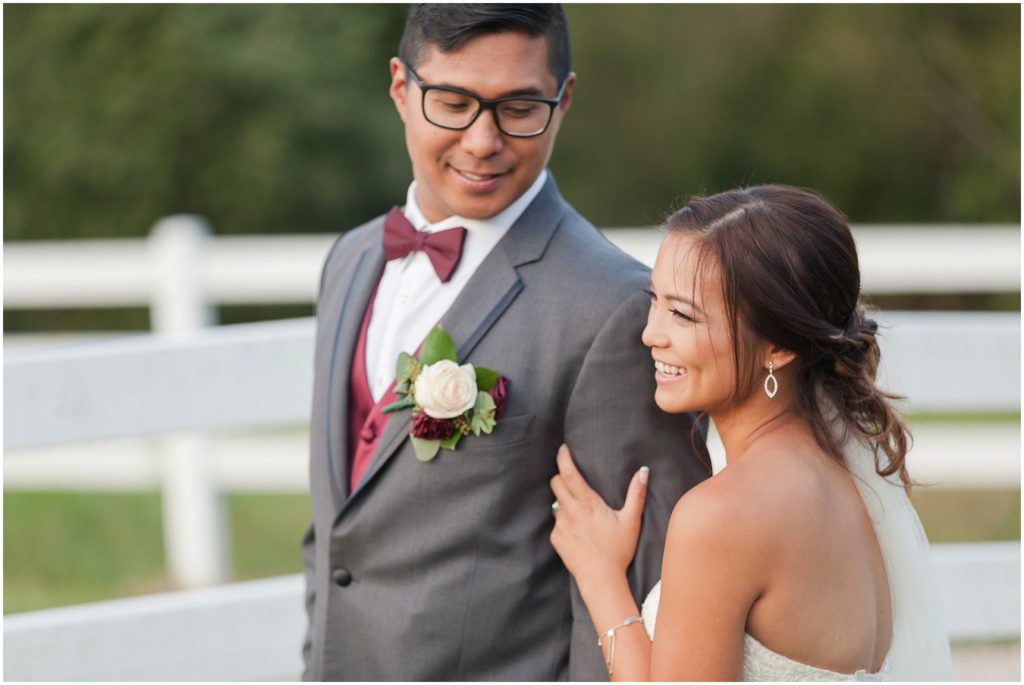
pixel 443 248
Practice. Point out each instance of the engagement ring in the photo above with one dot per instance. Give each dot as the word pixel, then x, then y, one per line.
pixel 555 506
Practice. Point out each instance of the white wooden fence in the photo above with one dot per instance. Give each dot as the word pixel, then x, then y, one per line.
pixel 181 272
pixel 254 375
pixel 188 380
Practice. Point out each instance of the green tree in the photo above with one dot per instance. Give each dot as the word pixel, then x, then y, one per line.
pixel 275 118
pixel 268 118
pixel 896 112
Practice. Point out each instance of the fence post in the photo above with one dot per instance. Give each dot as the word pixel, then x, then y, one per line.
pixel 178 305
pixel 195 529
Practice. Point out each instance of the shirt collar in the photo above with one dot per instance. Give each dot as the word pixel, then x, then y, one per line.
pixel 502 221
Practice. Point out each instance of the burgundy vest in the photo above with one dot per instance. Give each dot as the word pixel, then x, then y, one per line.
pixel 365 420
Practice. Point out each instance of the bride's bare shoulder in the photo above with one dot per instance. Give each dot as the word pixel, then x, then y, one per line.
pixel 721 541
pixel 750 505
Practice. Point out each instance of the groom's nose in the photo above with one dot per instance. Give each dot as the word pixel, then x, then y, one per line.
pixel 483 138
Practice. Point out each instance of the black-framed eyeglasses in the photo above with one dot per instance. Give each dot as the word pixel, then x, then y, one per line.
pixel 519 116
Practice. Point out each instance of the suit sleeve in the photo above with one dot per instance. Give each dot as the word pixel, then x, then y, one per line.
pixel 308 560
pixel 308 538
pixel 613 427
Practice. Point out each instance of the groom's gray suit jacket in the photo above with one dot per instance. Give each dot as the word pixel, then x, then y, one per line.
pixel 444 570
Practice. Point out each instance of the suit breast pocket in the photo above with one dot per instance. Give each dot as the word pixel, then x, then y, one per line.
pixel 509 432
pixel 480 464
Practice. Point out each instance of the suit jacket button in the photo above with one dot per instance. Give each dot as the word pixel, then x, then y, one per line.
pixel 341 577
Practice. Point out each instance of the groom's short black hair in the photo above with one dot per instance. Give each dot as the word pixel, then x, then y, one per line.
pixel 449 26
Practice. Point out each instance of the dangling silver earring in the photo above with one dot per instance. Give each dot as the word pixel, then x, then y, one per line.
pixel 770 378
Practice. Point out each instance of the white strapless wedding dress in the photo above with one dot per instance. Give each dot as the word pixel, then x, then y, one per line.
pixel 761 664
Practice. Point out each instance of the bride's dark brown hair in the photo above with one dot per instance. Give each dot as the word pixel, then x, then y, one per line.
pixel 790 277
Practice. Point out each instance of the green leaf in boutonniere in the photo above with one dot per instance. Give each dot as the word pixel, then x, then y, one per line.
pixel 482 420
pixel 425 449
pixel 485 378
pixel 451 442
pixel 437 346
pixel 401 404
pixel 404 368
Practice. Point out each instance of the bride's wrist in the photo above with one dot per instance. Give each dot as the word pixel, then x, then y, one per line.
pixel 593 585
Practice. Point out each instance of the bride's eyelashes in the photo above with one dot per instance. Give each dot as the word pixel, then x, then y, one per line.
pixel 676 314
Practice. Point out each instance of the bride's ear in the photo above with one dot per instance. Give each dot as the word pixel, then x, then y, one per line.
pixel 778 356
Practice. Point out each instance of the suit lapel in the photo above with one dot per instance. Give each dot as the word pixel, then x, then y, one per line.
pixel 489 292
pixel 364 279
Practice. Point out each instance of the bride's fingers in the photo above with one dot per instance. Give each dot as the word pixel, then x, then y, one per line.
pixel 562 494
pixel 636 495
pixel 573 479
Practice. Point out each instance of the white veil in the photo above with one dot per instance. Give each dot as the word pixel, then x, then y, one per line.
pixel 920 643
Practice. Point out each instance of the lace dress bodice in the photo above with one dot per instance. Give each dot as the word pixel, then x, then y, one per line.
pixel 762 664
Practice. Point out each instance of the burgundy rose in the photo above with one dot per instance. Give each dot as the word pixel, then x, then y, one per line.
pixel 498 393
pixel 429 428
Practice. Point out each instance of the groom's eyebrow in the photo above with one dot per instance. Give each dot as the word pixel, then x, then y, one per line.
pixel 526 91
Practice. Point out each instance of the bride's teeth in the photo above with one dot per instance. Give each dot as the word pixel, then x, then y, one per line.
pixel 668 368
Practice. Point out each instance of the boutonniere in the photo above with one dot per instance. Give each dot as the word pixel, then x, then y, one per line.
pixel 448 400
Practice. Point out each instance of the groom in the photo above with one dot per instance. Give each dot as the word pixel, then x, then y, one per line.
pixel 443 570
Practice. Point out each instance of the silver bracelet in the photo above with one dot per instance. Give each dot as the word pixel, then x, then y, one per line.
pixel 610 633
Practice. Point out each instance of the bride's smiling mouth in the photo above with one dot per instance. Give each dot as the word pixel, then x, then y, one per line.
pixel 668 373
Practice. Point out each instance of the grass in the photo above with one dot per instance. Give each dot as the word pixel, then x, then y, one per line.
pixel 968 515
pixel 66 548
pixel 963 417
pixel 62 548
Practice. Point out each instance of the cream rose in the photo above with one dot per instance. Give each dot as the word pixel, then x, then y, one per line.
pixel 445 390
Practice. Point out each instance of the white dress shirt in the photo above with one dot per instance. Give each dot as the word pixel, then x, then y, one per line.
pixel 411 299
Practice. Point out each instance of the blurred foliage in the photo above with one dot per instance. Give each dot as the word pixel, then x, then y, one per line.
pixel 269 118
pixel 895 112
pixel 106 545
pixel 275 118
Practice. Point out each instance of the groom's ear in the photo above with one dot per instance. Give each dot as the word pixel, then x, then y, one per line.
pixel 566 101
pixel 397 90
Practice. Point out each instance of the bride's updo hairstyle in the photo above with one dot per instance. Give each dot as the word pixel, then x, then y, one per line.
pixel 790 277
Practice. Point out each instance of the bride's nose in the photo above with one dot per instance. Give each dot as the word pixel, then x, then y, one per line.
pixel 653 336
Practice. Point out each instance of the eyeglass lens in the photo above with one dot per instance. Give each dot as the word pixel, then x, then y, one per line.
pixel 456 110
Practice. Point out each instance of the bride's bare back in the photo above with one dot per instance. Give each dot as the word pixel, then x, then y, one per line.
pixel 778 545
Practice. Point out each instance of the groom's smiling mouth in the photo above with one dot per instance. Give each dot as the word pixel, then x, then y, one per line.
pixel 479 179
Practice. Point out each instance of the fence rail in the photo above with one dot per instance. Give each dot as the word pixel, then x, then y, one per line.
pixel 897 258
pixel 253 630
pixel 251 375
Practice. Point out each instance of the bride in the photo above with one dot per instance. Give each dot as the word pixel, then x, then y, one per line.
pixel 802 559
